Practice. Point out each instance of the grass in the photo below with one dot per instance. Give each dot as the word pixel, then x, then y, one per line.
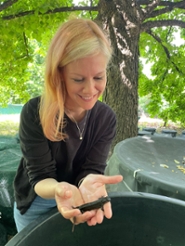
pixel 8 128
pixel 9 124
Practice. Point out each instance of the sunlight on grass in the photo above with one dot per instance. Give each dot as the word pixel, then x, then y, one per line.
pixel 8 128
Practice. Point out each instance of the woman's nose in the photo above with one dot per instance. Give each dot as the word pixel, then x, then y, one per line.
pixel 89 86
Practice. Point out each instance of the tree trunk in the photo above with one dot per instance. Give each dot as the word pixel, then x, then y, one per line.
pixel 120 19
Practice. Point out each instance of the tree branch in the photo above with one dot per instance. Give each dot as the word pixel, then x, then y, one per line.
pixel 57 10
pixel 146 26
pixel 170 7
pixel 150 12
pixel 150 7
pixel 26 44
pixel 158 39
pixel 162 3
pixel 7 4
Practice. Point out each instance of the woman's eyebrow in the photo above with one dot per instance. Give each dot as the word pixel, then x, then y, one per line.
pixel 78 74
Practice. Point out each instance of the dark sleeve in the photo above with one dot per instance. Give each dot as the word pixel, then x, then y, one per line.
pixel 37 156
pixel 99 135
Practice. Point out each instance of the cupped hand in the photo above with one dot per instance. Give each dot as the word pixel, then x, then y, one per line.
pixel 67 197
pixel 93 188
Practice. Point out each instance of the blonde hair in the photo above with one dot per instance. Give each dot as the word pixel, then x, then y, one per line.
pixel 75 39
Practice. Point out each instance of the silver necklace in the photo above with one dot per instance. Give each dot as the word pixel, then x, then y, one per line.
pixel 77 126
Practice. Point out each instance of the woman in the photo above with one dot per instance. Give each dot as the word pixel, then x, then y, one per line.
pixel 65 135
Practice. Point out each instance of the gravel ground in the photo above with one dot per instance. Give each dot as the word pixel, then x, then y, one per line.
pixel 145 121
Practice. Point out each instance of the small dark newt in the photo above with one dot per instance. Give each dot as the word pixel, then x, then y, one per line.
pixel 91 206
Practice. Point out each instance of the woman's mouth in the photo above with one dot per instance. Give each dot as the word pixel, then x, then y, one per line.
pixel 88 98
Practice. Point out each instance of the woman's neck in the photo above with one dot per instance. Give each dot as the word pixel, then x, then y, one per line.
pixel 77 115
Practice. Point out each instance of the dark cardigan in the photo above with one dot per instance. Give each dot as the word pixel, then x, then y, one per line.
pixel 69 160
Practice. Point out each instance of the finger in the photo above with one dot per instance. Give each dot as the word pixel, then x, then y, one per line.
pixel 99 216
pixel 73 220
pixel 111 179
pixel 107 210
pixel 92 221
pixel 69 213
pixel 84 217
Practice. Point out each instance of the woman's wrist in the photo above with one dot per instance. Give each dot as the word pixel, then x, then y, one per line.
pixel 46 188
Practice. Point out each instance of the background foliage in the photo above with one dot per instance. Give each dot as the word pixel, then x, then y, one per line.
pixel 28 26
pixel 162 92
pixel 23 43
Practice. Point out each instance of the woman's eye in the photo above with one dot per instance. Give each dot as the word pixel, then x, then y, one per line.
pixel 78 80
pixel 98 78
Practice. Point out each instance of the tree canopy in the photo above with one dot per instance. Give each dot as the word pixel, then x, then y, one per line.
pixel 160 45
pixel 137 29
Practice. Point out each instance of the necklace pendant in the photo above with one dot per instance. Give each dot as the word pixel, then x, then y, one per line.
pixel 81 138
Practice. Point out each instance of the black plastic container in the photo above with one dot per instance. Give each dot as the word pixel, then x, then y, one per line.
pixel 139 219
pixel 151 164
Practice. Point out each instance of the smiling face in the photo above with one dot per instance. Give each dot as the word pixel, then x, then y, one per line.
pixel 85 81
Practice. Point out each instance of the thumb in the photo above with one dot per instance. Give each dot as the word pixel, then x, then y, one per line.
pixel 63 192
